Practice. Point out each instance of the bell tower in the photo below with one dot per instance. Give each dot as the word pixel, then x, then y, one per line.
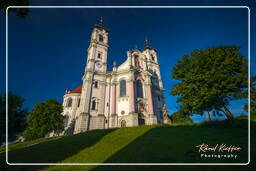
pixel 156 84
pixel 91 109
pixel 98 48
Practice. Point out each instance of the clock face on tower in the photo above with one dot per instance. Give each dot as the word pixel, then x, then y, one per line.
pixel 98 64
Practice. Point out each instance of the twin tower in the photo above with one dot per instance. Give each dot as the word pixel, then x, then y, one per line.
pixel 129 95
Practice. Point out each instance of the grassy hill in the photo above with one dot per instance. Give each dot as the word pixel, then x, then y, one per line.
pixel 144 144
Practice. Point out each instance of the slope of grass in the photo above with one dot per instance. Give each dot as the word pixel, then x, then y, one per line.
pixel 26 143
pixel 144 144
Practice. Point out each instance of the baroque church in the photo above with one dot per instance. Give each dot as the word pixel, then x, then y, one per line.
pixel 129 95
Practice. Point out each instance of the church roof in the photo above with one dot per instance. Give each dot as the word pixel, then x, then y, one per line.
pixel 76 90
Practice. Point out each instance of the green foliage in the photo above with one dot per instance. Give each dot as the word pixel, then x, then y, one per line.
pixel 20 12
pixel 44 118
pixel 210 79
pixel 253 108
pixel 16 116
pixel 181 117
pixel 252 95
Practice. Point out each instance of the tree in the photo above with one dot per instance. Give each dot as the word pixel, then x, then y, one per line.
pixel 252 95
pixel 181 117
pixel 210 79
pixel 16 116
pixel 44 118
pixel 20 12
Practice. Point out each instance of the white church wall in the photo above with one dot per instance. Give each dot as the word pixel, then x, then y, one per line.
pixel 124 66
pixel 107 114
pixel 71 111
pixel 123 106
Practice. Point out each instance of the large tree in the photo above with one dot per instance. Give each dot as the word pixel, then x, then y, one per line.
pixel 252 96
pixel 44 118
pixel 16 116
pixel 209 79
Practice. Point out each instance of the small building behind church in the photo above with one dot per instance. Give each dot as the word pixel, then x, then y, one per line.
pixel 129 95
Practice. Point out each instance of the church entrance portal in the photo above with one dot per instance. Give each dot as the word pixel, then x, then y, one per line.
pixel 123 123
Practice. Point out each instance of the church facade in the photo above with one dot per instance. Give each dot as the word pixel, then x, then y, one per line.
pixel 129 95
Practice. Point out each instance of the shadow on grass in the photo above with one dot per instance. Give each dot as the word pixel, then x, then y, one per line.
pixel 177 144
pixel 53 151
pixel 156 144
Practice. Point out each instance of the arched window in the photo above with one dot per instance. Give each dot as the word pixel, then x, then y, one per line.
pixel 66 118
pixel 93 104
pixel 99 56
pixel 152 57
pixel 69 102
pixel 78 103
pixel 96 84
pixel 122 88
pixel 139 89
pixel 101 38
pixel 159 98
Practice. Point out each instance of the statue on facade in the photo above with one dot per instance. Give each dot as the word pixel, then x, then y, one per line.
pixel 137 62
pixel 141 106
pixel 167 120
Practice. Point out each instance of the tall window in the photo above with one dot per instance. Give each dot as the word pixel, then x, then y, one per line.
pixel 66 118
pixel 96 84
pixel 100 38
pixel 69 102
pixel 139 89
pixel 122 88
pixel 158 98
pixel 78 103
pixel 152 57
pixel 93 104
pixel 99 56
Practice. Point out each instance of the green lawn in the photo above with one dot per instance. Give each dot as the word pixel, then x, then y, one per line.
pixel 144 144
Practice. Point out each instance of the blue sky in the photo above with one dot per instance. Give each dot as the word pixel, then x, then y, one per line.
pixel 47 50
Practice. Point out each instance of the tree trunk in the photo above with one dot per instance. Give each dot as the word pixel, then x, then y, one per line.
pixel 228 114
pixel 208 117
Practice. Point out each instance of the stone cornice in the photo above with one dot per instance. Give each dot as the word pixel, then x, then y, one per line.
pixel 71 94
pixel 102 82
pixel 153 63
pixel 130 80
pixel 89 70
pixel 100 73
pixel 92 42
pixel 91 60
pixel 114 83
pixel 123 97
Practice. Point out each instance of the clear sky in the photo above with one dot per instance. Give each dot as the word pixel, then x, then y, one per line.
pixel 48 49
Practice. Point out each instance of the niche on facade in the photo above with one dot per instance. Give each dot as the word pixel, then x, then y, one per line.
pixel 94 103
pixel 141 118
pixel 137 61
